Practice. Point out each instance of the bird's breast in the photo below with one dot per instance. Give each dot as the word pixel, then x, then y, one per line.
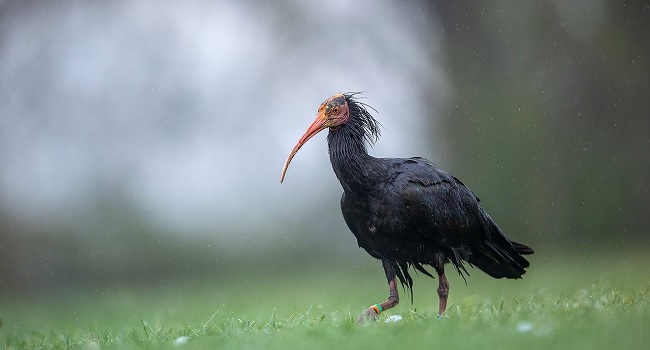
pixel 383 228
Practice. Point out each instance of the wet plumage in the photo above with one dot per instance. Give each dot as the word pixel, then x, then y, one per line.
pixel 407 212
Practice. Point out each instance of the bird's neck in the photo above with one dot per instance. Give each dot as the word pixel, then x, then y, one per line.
pixel 350 159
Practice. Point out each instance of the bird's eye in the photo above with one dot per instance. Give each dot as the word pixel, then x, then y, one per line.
pixel 336 110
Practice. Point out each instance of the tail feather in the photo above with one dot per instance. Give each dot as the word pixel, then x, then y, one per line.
pixel 522 249
pixel 498 256
pixel 500 261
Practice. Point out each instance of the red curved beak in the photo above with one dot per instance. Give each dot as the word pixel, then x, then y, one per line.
pixel 316 126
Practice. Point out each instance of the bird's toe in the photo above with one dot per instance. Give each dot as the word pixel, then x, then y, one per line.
pixel 368 316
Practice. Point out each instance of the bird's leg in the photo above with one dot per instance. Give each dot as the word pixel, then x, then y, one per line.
pixel 393 297
pixel 443 284
pixel 443 292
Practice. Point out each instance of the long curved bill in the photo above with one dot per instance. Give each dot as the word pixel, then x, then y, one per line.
pixel 316 126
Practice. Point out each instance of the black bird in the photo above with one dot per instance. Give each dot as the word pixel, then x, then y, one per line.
pixel 408 212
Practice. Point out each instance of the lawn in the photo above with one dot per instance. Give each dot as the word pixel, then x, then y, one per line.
pixel 565 302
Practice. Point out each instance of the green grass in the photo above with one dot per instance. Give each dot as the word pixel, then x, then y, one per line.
pixel 593 302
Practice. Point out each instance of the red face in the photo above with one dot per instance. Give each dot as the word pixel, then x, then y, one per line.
pixel 331 114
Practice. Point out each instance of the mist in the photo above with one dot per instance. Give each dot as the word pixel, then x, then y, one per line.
pixel 184 112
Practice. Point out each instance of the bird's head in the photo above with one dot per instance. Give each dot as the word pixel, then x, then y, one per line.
pixel 332 113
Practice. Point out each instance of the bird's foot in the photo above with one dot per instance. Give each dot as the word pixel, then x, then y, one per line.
pixel 368 316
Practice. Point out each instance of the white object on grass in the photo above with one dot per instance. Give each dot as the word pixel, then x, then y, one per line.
pixel 524 327
pixel 181 340
pixel 393 319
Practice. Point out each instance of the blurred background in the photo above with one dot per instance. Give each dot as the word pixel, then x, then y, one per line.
pixel 142 141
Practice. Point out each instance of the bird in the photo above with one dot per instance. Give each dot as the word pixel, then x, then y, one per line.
pixel 407 212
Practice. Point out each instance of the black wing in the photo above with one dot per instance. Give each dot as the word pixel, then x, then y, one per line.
pixel 448 214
